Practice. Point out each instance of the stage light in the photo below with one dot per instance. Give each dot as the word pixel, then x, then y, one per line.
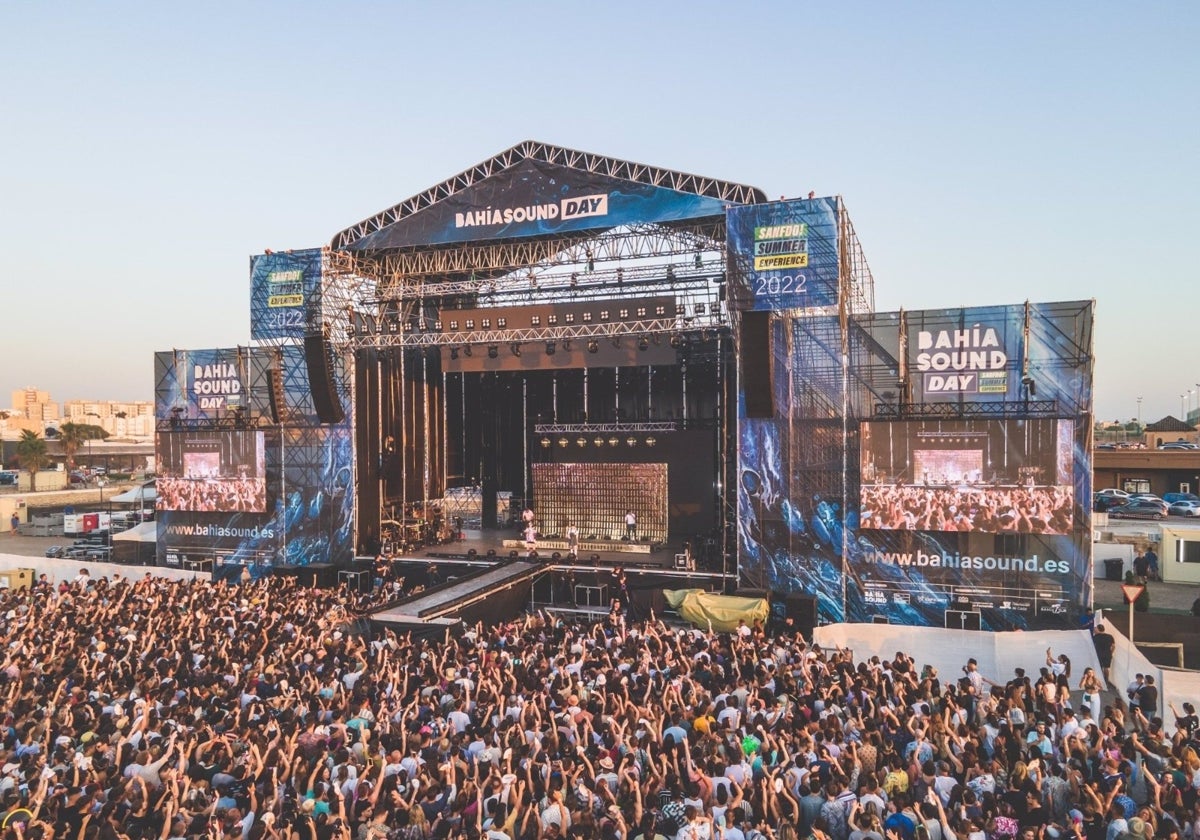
pixel 574 279
pixel 671 273
pixel 467 351
pixel 699 262
pixel 566 344
pixel 616 341
pixel 593 346
pixel 676 341
pixel 643 343
pixel 581 441
pixel 620 276
pixel 454 353
pixel 598 441
pixel 562 442
pixel 550 348
pixel 614 441
pixel 516 349
pixel 591 261
pixel 631 440
pixel 545 443
pixel 493 351
pixel 650 441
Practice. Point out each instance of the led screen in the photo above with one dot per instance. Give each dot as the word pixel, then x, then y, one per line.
pixel 212 471
pixel 988 476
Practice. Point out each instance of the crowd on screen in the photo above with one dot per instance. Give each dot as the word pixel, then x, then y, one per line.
pixel 224 495
pixel 159 709
pixel 1037 510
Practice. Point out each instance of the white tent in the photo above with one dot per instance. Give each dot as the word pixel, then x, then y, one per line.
pixel 144 532
pixel 145 493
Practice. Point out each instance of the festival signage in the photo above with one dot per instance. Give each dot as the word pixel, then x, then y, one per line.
pixel 536 198
pixel 963 501
pixel 784 255
pixel 284 288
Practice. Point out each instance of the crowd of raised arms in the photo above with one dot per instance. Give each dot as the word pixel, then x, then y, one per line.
pixel 150 708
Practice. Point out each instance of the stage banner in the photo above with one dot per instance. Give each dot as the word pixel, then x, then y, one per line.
pixel 783 255
pixel 536 198
pixel 260 496
pixel 208 384
pixel 283 288
pixel 915 508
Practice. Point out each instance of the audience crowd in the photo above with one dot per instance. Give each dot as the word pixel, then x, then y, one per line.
pixel 147 708
pixel 911 507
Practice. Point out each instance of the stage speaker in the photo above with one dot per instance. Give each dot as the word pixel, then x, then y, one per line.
pixel 318 357
pixel 793 612
pixel 275 393
pixel 758 363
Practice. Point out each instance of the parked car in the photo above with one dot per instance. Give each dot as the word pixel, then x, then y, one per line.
pixel 1112 491
pixel 1172 498
pixel 1180 444
pixel 1184 508
pixel 1139 509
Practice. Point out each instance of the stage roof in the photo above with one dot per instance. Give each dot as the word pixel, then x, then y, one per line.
pixel 536 190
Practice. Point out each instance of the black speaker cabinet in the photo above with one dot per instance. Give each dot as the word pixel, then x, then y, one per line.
pixel 758 363
pixel 318 357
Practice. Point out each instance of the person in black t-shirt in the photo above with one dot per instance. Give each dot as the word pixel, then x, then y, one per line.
pixel 1188 722
pixel 1105 645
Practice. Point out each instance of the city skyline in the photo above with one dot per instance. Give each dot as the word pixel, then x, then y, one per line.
pixel 987 156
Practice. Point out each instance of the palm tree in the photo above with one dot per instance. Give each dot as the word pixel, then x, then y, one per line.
pixel 31 449
pixel 72 436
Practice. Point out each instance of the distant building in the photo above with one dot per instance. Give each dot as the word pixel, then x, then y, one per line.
pixel 1169 430
pixel 34 405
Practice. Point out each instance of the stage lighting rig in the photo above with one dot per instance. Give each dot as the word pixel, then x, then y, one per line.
pixel 493 351
pixel 550 348
pixel 593 346
pixel 515 348
pixel 643 343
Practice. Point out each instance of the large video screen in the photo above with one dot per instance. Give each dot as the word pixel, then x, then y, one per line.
pixel 212 471
pixel 989 476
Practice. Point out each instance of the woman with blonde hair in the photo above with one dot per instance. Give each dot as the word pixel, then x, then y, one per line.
pixel 1091 686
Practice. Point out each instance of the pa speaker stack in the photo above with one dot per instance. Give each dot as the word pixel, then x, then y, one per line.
pixel 318 357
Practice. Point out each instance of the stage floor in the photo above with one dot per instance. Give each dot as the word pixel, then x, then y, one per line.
pixel 608 553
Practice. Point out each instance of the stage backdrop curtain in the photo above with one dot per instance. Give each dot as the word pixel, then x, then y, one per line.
pixel 700 608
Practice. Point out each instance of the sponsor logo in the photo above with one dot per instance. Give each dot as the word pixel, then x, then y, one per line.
pixel 294 275
pixel 584 206
pixel 277 301
pixel 780 247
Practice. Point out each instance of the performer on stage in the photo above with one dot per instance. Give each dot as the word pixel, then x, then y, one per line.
pixel 530 537
pixel 630 525
pixel 526 517
pixel 572 539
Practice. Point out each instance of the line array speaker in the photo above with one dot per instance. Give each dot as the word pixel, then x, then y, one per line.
pixel 318 357
pixel 758 363
pixel 275 393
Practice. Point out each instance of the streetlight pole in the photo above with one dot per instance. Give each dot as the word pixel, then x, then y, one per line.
pixel 1139 412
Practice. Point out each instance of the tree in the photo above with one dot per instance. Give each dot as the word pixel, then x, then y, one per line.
pixel 74 435
pixel 32 452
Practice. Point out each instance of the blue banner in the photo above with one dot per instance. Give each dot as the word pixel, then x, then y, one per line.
pixel 539 199
pixel 284 287
pixel 784 255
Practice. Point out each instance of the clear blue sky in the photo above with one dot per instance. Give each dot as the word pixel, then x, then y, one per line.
pixel 988 153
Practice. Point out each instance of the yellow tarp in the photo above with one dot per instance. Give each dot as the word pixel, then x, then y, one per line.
pixel 699 608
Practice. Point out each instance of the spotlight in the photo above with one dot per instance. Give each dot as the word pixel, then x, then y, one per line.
pixel 650 441
pixel 598 441
pixel 676 341
pixel 581 441
pixel 515 348
pixel 545 443
pixel 562 442
pixel 593 346
pixel 550 348
pixel 493 351
pixel 616 341
pixel 467 351
pixel 643 343
pixel 454 353
pixel 614 441
pixel 631 441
